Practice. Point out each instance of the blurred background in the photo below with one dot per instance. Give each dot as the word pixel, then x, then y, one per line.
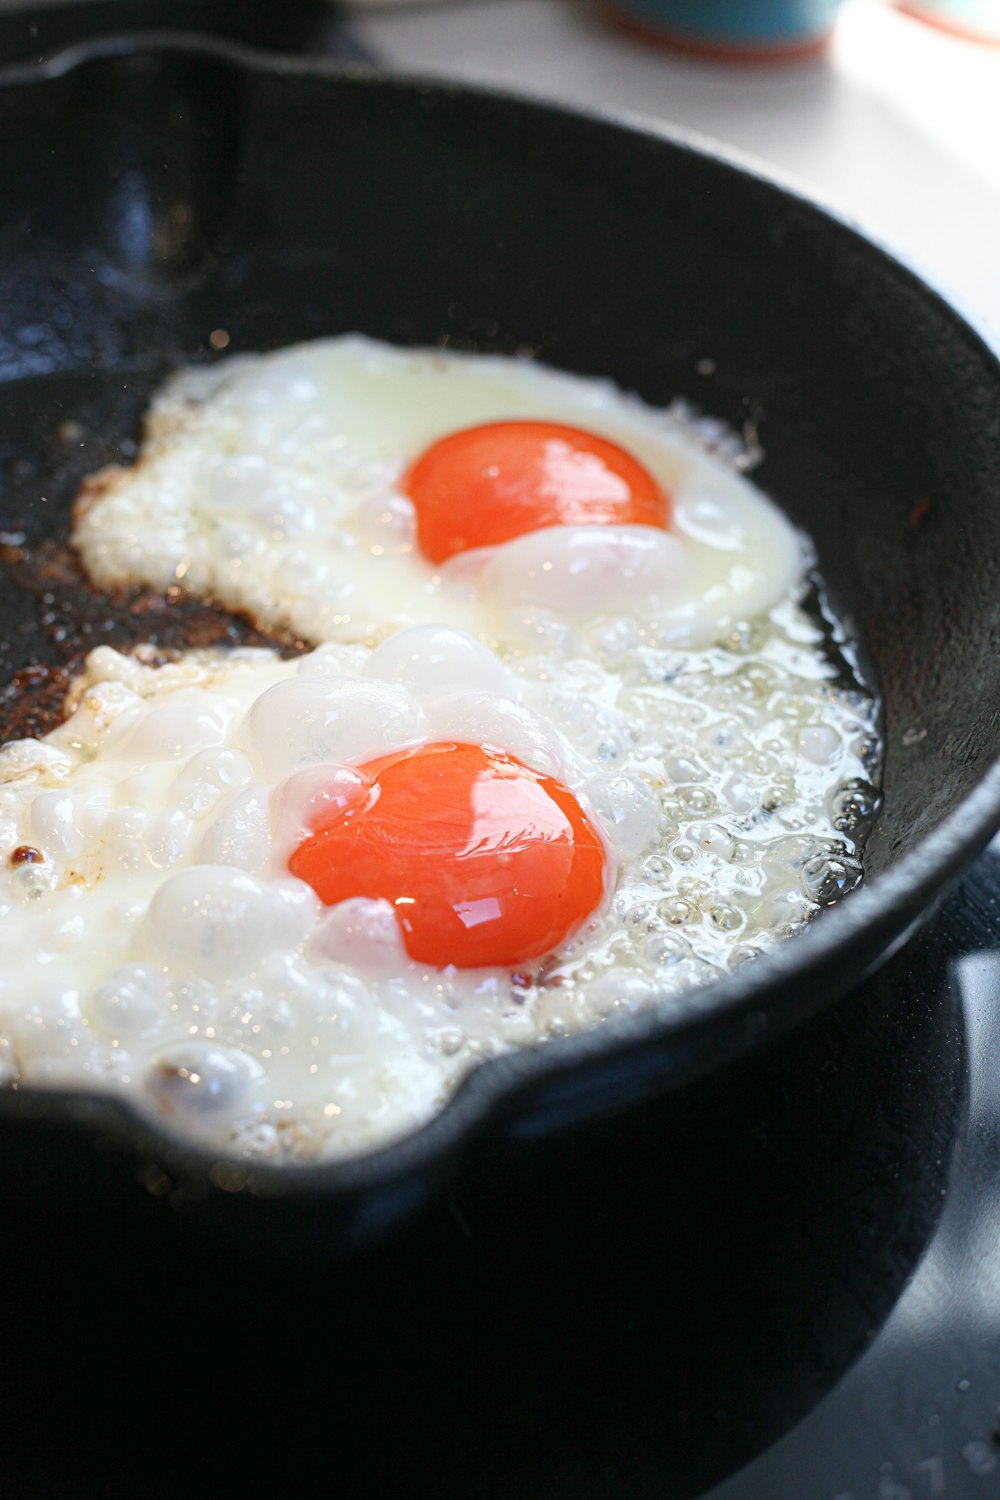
pixel 896 122
pixel 888 110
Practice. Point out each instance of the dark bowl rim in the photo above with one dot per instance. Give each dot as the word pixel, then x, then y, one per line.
pixel 892 904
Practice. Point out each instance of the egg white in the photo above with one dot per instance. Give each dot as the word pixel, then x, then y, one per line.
pixel 271 483
pixel 157 944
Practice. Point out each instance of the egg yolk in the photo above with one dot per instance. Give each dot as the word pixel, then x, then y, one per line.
pixel 483 860
pixel 488 484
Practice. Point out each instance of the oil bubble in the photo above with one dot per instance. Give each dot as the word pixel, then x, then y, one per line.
pixel 853 806
pixel 828 878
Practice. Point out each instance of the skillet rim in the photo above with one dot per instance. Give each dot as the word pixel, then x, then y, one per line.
pixel 731 1015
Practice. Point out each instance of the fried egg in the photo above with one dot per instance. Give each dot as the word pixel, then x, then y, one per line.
pixel 305 488
pixel 569 744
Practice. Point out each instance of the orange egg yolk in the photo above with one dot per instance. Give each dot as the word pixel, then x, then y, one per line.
pixel 483 860
pixel 488 484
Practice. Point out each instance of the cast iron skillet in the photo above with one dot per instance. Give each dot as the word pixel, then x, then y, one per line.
pixel 152 193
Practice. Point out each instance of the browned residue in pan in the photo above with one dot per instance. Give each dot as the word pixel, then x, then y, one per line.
pixel 74 617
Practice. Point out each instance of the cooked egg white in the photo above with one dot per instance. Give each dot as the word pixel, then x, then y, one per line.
pixel 272 483
pixel 156 944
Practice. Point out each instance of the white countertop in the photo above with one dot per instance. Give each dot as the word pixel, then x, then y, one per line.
pixel 899 126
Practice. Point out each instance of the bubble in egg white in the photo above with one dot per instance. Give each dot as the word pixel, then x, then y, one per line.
pixel 53 823
pixel 105 715
pixel 387 522
pixel 697 799
pixel 819 743
pixel 269 383
pixel 109 665
pixel 341 1024
pixel 165 734
pixel 300 574
pixel 310 797
pixel 51 1009
pixel 218 921
pixel 20 758
pixel 131 1003
pixel 575 571
pixel 431 660
pixel 305 722
pixel 125 831
pixel 265 1016
pixel 614 638
pixel 278 987
pixel 713 839
pixel 628 809
pixel 784 911
pixel 91 812
pixel 207 777
pixel 542 632
pixel 167 839
pixel 88 1065
pixel 240 834
pixel 334 660
pixel 235 542
pixel 247 487
pixel 140 788
pixel 573 714
pixel 741 793
pixel 200 1078
pixel 66 935
pixel 363 935
pixel 480 718
pixel 620 990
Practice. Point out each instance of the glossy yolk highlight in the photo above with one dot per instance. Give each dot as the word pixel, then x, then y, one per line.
pixel 484 861
pixel 488 484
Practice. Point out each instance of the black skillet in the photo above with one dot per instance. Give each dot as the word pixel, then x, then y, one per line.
pixel 153 194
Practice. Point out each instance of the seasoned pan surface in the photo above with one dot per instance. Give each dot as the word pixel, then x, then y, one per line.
pixel 153 195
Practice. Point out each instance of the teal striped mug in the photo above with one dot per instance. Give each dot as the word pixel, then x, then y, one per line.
pixel 739 30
